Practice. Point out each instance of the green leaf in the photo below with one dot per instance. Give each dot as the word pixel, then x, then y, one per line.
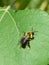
pixel 35 3
pixel 24 4
pixel 12 27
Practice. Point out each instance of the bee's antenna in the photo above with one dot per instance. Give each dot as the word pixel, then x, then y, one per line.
pixel 33 30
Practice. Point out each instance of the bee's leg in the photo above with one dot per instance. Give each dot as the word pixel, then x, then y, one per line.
pixel 32 38
pixel 28 44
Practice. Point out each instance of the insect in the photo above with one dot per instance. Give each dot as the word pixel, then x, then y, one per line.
pixel 25 41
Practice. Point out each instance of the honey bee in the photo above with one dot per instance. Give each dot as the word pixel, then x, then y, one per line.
pixel 25 41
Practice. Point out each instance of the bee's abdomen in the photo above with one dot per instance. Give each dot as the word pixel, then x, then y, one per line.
pixel 24 42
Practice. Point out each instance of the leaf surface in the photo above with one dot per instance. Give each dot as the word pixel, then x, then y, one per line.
pixel 12 27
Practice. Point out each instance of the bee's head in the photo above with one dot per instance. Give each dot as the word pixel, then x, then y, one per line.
pixel 30 34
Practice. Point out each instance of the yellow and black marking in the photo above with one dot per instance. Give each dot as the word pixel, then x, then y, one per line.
pixel 26 39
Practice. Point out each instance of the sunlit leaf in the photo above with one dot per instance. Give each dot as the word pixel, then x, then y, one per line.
pixel 12 27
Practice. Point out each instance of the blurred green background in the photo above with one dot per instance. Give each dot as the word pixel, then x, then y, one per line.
pixel 26 4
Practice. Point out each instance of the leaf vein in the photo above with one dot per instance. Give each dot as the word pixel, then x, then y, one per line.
pixel 14 22
pixel 6 10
